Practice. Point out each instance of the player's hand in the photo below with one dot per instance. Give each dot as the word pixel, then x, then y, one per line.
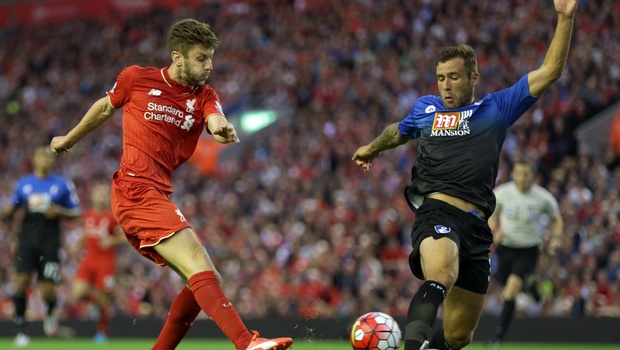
pixel 106 242
pixel 364 156
pixel 555 243
pixel 497 236
pixel 566 7
pixel 59 145
pixel 53 212
pixel 225 133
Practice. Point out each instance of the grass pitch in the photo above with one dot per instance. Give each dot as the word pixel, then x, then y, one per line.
pixel 207 344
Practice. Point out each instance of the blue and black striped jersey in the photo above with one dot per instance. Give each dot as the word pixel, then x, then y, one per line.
pixel 459 148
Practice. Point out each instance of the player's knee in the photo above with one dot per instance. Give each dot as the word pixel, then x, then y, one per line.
pixel 513 287
pixel 459 339
pixel 445 276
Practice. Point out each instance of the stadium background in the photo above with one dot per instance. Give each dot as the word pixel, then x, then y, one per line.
pixel 295 228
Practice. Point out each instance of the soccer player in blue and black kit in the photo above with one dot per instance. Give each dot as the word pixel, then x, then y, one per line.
pixel 460 139
pixel 45 197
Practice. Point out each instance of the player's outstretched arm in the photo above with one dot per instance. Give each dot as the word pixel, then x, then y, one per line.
pixel 389 138
pixel 541 79
pixel 222 130
pixel 96 115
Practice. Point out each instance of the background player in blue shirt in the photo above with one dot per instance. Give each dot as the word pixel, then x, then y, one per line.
pixel 452 183
pixel 45 198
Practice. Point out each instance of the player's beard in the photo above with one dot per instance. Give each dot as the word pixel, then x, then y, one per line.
pixel 464 98
pixel 191 79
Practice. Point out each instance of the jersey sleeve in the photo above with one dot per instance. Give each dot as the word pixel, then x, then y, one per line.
pixel 410 126
pixel 18 199
pixel 551 208
pixel 70 198
pixel 515 100
pixel 211 105
pixel 120 93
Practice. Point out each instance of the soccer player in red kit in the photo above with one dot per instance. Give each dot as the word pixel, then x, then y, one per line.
pixel 165 111
pixel 98 265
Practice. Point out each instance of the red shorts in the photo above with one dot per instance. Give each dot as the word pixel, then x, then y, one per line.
pixel 146 214
pixel 97 273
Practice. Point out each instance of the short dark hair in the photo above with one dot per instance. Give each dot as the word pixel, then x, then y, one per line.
pixel 187 33
pixel 524 162
pixel 465 52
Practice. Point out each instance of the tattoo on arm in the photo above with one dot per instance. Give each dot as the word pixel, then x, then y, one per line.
pixel 389 138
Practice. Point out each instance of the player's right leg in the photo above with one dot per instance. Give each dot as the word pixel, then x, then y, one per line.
pixel 439 264
pixel 22 281
pixel 25 262
pixel 186 253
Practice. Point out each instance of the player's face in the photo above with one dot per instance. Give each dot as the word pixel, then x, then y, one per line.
pixel 43 160
pixel 197 66
pixel 523 176
pixel 100 196
pixel 456 87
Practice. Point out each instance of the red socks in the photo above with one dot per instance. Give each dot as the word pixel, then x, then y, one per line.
pixel 212 301
pixel 182 314
pixel 102 324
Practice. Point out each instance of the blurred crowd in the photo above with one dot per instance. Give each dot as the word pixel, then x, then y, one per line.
pixel 293 225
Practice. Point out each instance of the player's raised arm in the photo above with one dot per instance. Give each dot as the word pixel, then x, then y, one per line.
pixel 96 115
pixel 540 79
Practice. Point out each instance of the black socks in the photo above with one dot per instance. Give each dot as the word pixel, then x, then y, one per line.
pixel 505 319
pixel 422 313
pixel 19 300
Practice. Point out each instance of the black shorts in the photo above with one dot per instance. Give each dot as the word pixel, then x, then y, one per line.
pixel 515 261
pixel 40 257
pixel 437 219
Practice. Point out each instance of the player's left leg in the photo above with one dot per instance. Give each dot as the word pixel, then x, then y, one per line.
pixel 49 277
pixel 511 290
pixel 463 305
pixel 50 322
pixel 104 282
pixel 102 298
pixel 462 310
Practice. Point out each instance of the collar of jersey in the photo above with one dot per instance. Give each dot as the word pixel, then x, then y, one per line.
pixel 173 83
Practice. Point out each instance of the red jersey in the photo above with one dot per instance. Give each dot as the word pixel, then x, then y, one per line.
pixel 96 226
pixel 162 122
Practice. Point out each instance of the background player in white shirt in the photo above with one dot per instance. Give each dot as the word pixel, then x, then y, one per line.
pixel 518 232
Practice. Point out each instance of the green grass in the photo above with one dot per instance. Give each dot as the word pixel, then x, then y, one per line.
pixel 209 344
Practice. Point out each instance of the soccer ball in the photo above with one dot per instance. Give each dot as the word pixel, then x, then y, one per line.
pixel 375 331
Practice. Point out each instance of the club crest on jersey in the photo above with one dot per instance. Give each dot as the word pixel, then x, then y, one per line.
pixel 442 229
pixel 451 123
pixel 190 106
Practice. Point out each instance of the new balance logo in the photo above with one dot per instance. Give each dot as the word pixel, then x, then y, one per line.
pixel 154 92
